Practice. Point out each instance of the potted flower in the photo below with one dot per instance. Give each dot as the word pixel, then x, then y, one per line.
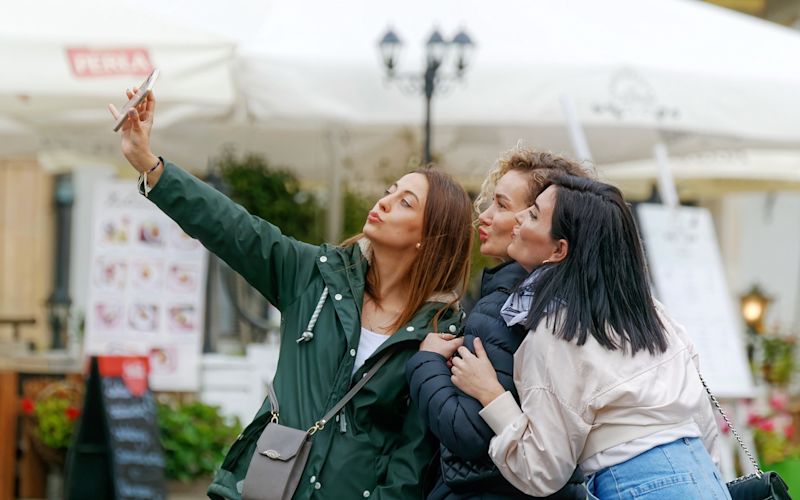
pixel 53 413
pixel 776 437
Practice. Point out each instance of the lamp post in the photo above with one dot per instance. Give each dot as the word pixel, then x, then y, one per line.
pixel 436 51
pixel 59 302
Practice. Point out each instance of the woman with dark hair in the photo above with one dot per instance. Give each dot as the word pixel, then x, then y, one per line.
pixel 466 470
pixel 605 379
pixel 343 308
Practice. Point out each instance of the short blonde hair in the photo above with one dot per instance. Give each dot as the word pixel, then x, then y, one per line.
pixel 539 165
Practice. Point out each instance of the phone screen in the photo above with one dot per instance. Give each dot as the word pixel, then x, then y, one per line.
pixel 144 88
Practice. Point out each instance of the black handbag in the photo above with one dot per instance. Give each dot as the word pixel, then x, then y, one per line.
pixel 759 485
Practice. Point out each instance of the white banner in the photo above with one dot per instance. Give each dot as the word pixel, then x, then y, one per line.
pixel 147 287
pixel 686 266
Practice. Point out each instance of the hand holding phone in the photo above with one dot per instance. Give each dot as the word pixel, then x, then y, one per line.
pixel 135 124
pixel 137 98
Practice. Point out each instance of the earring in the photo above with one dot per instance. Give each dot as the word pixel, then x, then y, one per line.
pixel 419 245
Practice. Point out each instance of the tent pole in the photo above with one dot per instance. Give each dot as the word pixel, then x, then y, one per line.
pixel 335 202
pixel 666 182
pixel 577 137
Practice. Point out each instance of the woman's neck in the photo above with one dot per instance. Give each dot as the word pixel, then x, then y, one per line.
pixel 392 269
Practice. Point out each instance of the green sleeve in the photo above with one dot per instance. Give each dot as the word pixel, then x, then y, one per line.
pixel 276 265
pixel 407 465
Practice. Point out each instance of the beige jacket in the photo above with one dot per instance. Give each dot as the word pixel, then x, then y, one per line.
pixel 580 400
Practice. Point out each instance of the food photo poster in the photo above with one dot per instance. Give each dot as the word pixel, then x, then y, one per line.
pixel 147 287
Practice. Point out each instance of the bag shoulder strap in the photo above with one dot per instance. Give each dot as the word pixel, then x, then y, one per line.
pixel 320 424
pixel 353 390
pixel 730 425
pixel 273 400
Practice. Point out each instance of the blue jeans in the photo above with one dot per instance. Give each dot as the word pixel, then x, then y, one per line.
pixel 678 470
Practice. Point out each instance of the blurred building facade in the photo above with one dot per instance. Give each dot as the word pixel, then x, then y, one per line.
pixel 785 12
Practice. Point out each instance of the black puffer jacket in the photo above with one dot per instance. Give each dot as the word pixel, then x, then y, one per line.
pixel 467 472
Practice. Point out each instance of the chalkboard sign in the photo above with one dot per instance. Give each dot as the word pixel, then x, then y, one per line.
pixel 117 452
pixel 687 271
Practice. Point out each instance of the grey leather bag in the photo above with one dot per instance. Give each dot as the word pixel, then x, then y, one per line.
pixel 281 452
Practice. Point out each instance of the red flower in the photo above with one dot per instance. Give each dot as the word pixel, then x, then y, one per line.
pixel 754 419
pixel 778 402
pixel 27 406
pixel 789 431
pixel 766 425
pixel 724 427
pixel 72 413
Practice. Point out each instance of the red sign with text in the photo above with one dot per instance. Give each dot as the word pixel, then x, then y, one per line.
pixel 132 369
pixel 89 63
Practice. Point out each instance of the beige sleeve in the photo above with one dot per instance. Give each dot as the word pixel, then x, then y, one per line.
pixel 536 447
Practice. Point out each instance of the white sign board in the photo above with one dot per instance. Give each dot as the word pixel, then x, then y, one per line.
pixel 147 287
pixel 687 272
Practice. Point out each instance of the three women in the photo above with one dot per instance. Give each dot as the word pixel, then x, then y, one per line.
pixel 584 373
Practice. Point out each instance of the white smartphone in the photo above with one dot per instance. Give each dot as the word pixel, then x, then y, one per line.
pixel 137 98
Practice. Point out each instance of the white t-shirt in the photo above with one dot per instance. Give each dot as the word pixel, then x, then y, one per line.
pixel 367 345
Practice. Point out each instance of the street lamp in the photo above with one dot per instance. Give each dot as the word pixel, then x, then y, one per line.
pixel 436 51
pixel 754 308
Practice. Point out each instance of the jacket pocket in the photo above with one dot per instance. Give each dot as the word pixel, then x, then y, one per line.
pixel 682 485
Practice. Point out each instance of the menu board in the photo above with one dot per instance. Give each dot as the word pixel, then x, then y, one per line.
pixel 146 288
pixel 117 452
pixel 686 267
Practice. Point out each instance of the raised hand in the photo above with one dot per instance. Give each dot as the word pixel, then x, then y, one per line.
pixel 136 132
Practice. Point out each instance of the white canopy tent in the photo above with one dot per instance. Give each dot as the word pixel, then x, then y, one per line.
pixel 65 61
pixel 691 75
pixel 310 91
pixel 710 174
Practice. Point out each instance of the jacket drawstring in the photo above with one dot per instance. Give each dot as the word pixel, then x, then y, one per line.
pixel 309 333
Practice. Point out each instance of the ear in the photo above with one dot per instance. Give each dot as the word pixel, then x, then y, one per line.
pixel 560 251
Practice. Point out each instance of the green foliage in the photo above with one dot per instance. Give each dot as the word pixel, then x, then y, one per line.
pixel 356 208
pixel 55 425
pixel 195 437
pixel 778 362
pixel 774 447
pixel 272 194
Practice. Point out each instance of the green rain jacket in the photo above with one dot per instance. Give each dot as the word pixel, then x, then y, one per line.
pixel 377 447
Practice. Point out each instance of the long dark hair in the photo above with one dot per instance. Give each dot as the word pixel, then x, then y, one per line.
pixel 601 287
